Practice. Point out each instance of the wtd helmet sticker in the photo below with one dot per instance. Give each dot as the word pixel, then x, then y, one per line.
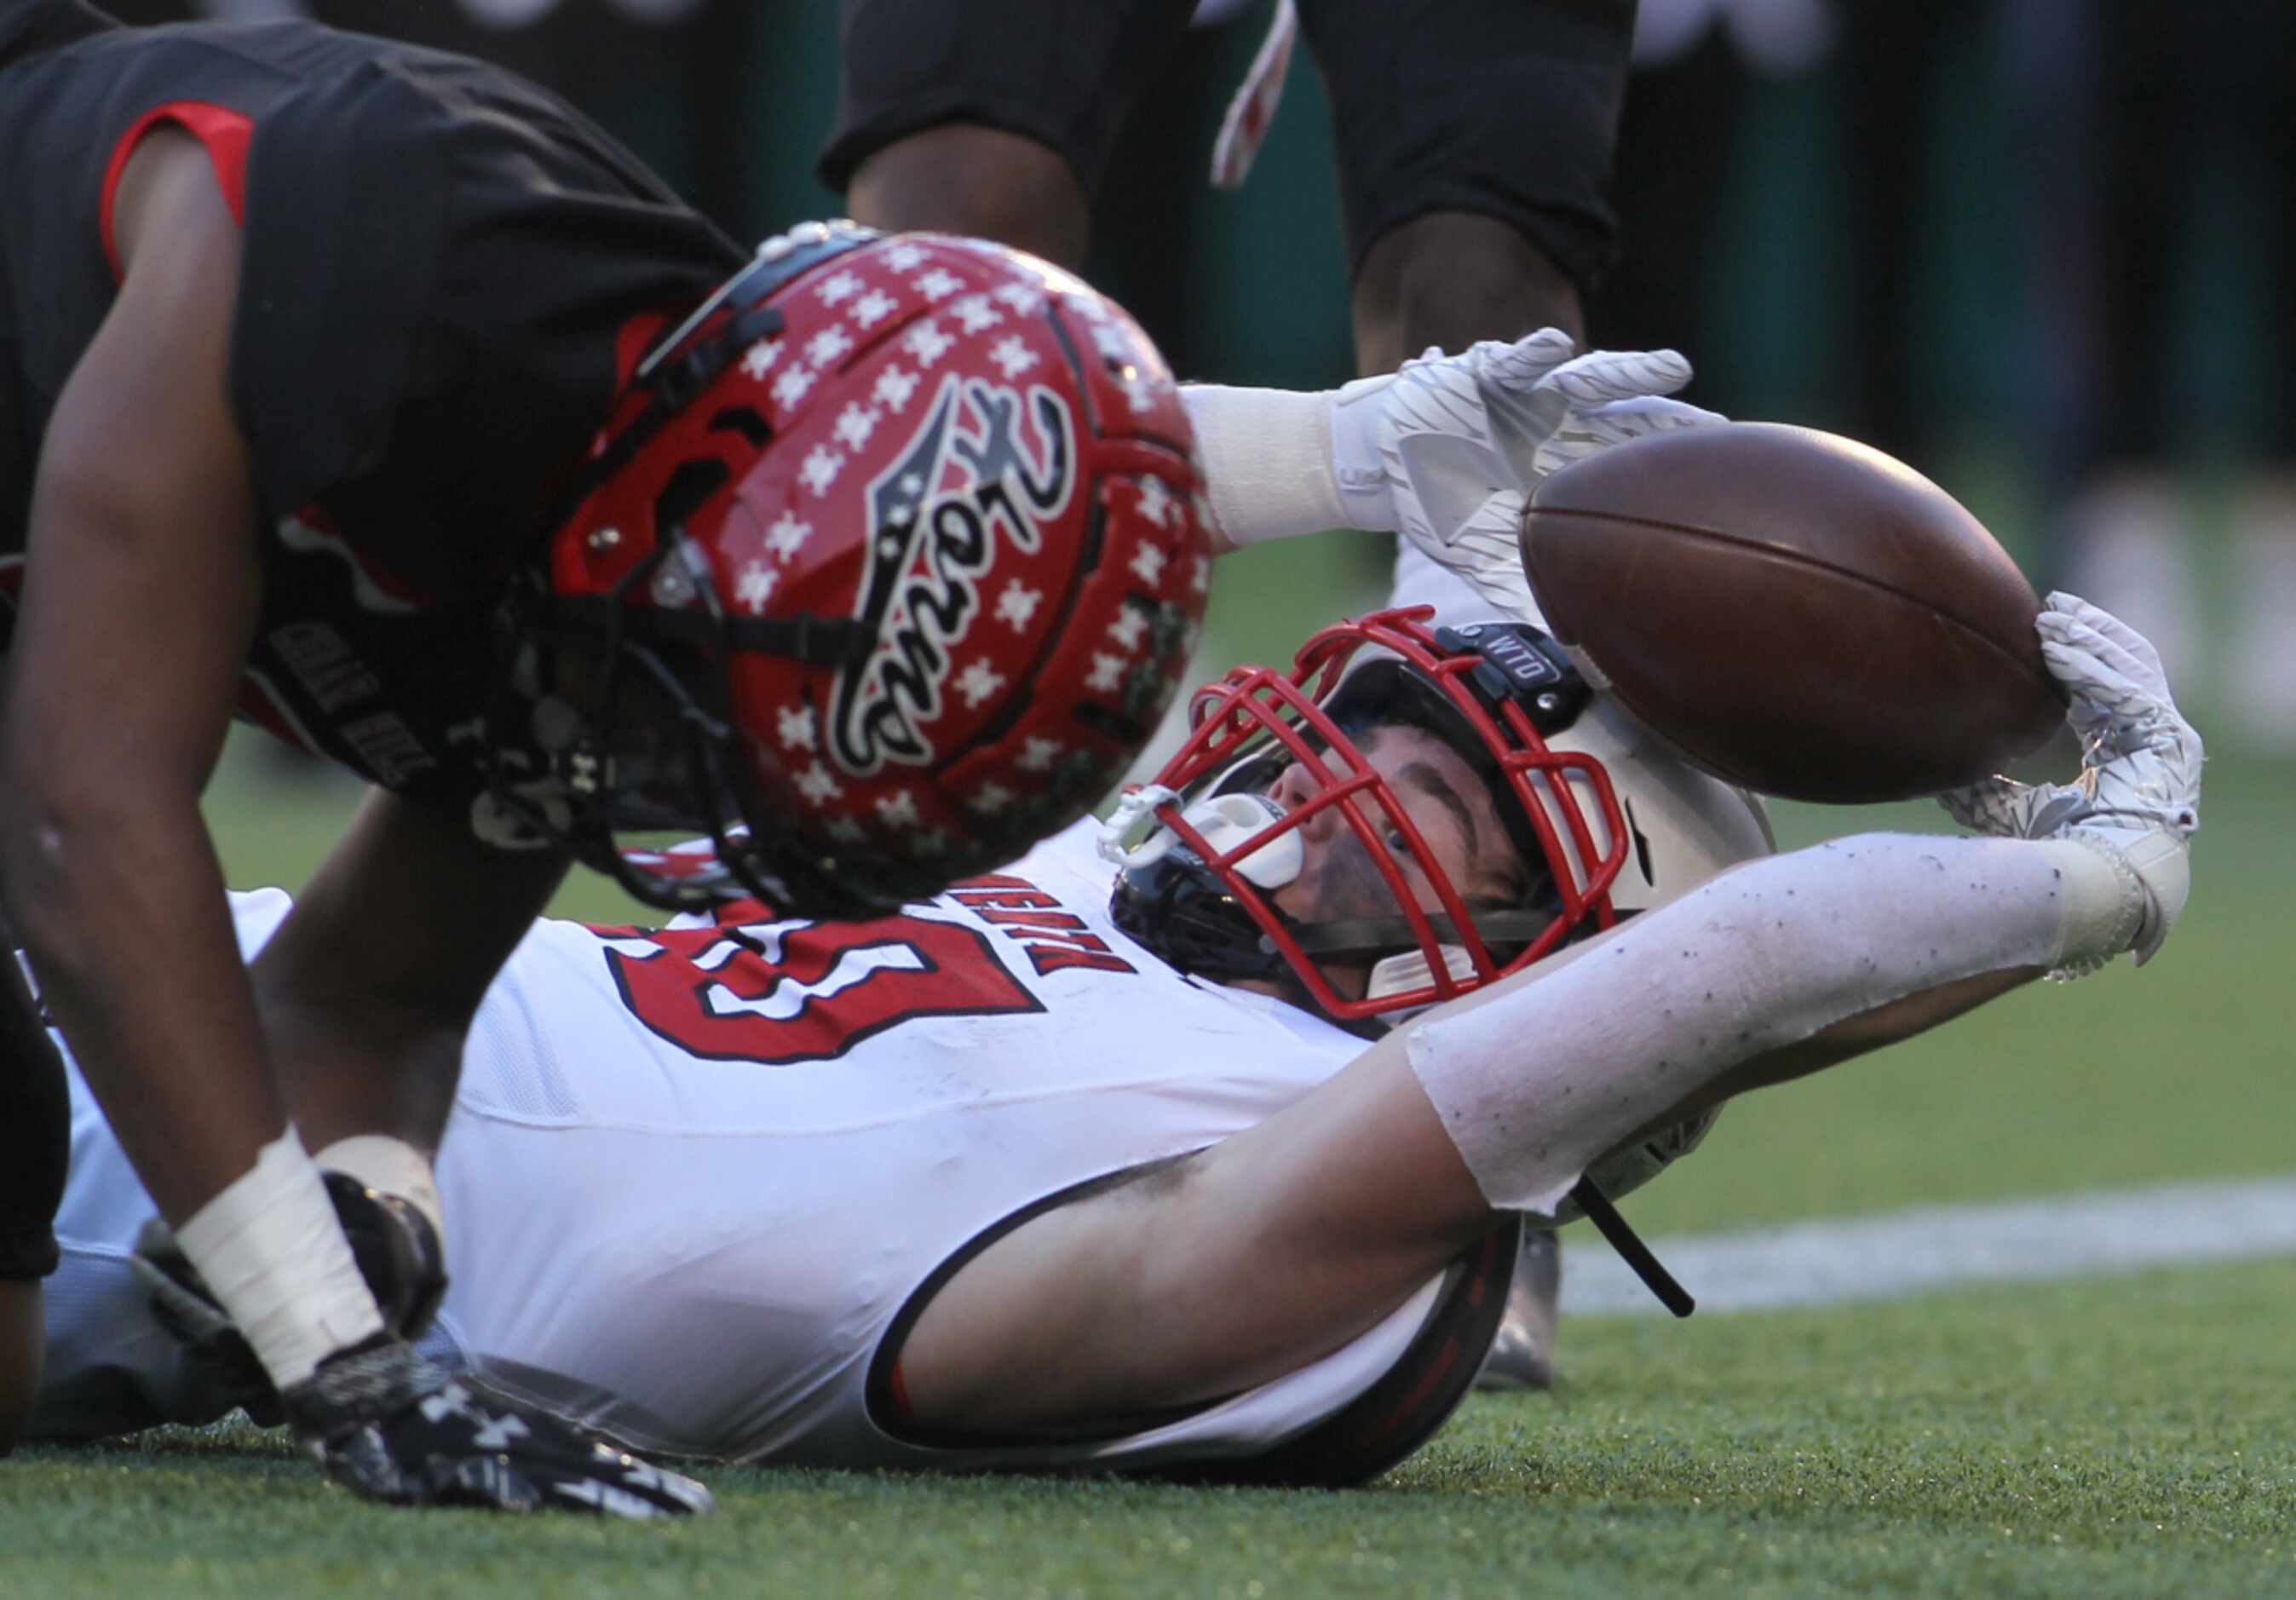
pixel 982 467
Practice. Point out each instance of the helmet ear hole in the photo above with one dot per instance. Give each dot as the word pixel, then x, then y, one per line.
pixel 743 419
pixel 691 486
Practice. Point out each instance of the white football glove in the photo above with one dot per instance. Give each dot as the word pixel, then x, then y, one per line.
pixel 2138 794
pixel 1447 450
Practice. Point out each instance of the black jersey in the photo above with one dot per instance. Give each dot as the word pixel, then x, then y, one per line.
pixel 27 27
pixel 439 262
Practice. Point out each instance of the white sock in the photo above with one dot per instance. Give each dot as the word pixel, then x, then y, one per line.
pixel 273 1256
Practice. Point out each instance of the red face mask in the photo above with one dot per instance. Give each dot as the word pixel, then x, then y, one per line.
pixel 1200 888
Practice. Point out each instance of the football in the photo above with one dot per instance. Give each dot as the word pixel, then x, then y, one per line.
pixel 1798 613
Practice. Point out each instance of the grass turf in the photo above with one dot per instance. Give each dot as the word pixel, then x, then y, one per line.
pixel 2115 1438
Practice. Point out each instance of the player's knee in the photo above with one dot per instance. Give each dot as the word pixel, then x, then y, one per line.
pixel 1449 278
pixel 962 179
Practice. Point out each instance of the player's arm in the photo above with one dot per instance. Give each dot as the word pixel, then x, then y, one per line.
pixel 1282 1241
pixel 140 595
pixel 369 986
pixel 1273 1248
pixel 1443 451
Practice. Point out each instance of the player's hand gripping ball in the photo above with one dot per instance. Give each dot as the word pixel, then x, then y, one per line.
pixel 1798 613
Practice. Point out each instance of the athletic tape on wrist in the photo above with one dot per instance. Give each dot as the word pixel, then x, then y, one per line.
pixel 273 1256
pixel 2105 902
pixel 387 1166
pixel 1268 461
pixel 1540 1082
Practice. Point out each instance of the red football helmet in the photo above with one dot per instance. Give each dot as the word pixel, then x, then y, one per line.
pixel 1198 888
pixel 884 567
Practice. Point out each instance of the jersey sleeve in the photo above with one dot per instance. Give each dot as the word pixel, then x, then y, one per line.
pixel 345 249
pixel 438 255
pixel 27 27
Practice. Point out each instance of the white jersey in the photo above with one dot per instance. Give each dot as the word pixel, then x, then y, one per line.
pixel 692 1178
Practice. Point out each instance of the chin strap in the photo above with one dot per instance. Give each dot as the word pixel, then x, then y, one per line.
pixel 1133 814
pixel 1378 936
pixel 1599 1210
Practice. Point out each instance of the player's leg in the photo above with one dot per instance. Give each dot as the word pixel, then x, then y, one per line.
pixel 961 177
pixel 993 118
pixel 1474 145
pixel 1448 278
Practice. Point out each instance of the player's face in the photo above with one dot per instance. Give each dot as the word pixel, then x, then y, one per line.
pixel 1448 804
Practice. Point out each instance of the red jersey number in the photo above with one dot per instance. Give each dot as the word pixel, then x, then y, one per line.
pixel 792 992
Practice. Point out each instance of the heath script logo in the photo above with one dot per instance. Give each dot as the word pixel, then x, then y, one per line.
pixel 986 466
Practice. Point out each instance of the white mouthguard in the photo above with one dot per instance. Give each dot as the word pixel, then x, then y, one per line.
pixel 1226 821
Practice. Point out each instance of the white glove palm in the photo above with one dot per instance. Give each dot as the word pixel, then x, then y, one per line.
pixel 1447 450
pixel 2139 789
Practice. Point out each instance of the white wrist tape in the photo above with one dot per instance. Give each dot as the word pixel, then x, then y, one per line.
pixel 389 1167
pixel 273 1256
pixel 1268 461
pixel 1539 1083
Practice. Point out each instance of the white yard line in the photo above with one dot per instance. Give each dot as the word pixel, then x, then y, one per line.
pixel 1908 1252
